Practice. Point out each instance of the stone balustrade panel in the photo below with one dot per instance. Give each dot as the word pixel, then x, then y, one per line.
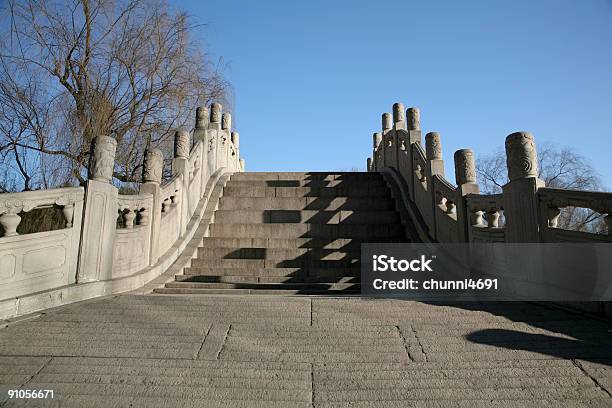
pixel 553 201
pixel 131 249
pixel 40 260
pixel 445 209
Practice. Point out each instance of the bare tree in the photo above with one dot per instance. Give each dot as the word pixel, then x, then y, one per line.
pixel 73 70
pixel 559 168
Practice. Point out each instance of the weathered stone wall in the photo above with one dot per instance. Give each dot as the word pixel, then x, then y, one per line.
pixel 109 237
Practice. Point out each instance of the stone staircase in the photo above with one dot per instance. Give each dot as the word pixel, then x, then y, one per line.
pixel 291 233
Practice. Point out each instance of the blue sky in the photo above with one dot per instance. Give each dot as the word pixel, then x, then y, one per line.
pixel 312 78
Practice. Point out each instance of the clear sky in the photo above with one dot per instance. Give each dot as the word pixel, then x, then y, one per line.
pixel 311 78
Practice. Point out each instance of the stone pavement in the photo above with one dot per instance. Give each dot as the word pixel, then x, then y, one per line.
pixel 266 351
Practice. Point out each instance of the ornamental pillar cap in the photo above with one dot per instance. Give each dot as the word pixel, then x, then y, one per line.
pixel 236 139
pixel 521 156
pixel 433 146
pixel 413 116
pixel 377 139
pixel 153 166
pixel 465 167
pixel 201 117
pixel 386 121
pixel 181 143
pixel 398 112
pixel 102 158
pixel 215 112
pixel 226 121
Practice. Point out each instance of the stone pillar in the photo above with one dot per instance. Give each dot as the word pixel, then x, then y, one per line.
pixel 182 144
pixel 226 121
pixel 236 158
pixel 389 141
pixel 151 178
pixel 399 116
pixel 216 112
pixel 368 164
pixel 100 214
pixel 102 158
pixel 413 123
pixel 201 123
pixel 521 204
pixel 200 136
pixel 180 166
pixel 435 166
pixel 377 157
pixel 465 176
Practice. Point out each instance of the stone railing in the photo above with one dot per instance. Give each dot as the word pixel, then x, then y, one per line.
pixel 525 211
pixel 111 242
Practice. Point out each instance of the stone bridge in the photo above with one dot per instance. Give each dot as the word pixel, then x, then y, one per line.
pixel 147 300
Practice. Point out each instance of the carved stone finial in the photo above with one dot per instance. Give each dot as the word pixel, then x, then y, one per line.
pixel 102 158
pixel 226 121
pixel 386 121
pixel 433 146
pixel 465 167
pixel 369 164
pixel 242 164
pixel 521 156
pixel 236 139
pixel 153 166
pixel 181 144
pixel 414 118
pixel 398 112
pixel 201 117
pixel 377 139
pixel 215 112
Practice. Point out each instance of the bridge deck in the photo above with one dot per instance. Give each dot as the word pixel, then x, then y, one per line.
pixel 264 351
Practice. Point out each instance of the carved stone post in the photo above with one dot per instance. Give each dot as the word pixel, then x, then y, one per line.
pixel 413 123
pixel 181 144
pixel 217 140
pixel 378 155
pixel 521 192
pixel 200 135
pixel 236 158
pixel 102 158
pixel 180 167
pixel 399 116
pixel 100 213
pixel 151 178
pixel 435 166
pixel 389 141
pixel 369 164
pixel 465 176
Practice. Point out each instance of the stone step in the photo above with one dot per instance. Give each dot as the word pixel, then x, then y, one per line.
pixel 205 254
pixel 273 286
pixel 313 183
pixel 286 230
pixel 274 263
pixel 294 243
pixel 302 272
pixel 264 279
pixel 307 203
pixel 306 176
pixel 325 192
pixel 277 292
pixel 307 216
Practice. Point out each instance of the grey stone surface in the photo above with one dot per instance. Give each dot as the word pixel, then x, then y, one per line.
pixel 270 351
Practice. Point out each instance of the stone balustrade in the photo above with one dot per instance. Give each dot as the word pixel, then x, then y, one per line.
pixel 525 211
pixel 111 242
